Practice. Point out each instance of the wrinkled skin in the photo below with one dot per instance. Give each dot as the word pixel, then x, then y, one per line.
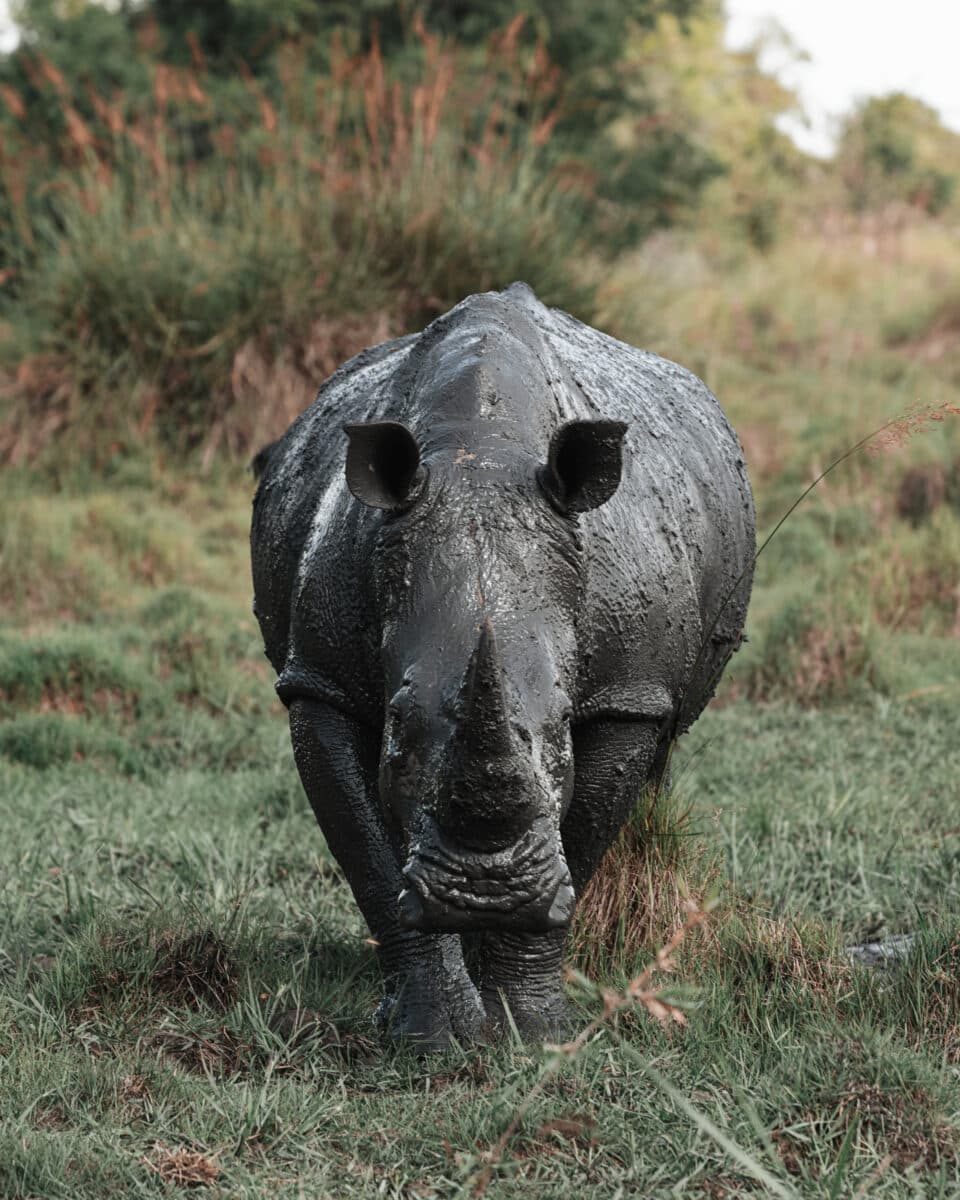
pixel 492 601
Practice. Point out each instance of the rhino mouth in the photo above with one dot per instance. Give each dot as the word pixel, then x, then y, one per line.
pixel 525 886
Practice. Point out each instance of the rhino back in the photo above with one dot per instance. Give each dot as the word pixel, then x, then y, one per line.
pixel 669 557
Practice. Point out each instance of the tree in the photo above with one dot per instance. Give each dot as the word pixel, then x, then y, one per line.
pixel 725 107
pixel 895 149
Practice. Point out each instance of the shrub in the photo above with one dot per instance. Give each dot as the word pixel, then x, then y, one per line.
pixel 813 652
pixel 152 278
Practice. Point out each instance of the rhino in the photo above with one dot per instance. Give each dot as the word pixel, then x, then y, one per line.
pixel 498 566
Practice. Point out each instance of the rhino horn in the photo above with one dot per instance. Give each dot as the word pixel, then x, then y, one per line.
pixel 484 726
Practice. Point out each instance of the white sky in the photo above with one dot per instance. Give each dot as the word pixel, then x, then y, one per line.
pixel 856 47
pixel 859 48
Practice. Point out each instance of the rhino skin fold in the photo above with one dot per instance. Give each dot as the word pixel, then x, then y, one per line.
pixel 498 565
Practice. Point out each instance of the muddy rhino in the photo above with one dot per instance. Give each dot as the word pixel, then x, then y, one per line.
pixel 498 566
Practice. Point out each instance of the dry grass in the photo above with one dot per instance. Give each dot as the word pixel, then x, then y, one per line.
pixel 825 662
pixel 638 898
pixel 903 1125
pixel 183 1168
pixel 269 388
pixel 220 1053
pixel 194 970
pixel 784 954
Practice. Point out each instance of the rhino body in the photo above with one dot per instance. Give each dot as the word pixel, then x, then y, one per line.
pixel 498 566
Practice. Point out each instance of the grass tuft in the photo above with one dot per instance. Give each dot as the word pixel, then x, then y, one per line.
pixel 183 1168
pixel 194 970
pixel 638 897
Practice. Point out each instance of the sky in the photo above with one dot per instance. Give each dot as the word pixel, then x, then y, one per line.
pixel 856 48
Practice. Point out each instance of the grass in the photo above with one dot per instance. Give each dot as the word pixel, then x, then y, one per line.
pixel 185 988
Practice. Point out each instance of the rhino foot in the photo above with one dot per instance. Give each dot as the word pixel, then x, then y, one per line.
pixel 543 1022
pixel 519 978
pixel 431 1009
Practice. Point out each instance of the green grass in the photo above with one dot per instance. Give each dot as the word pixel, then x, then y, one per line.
pixel 167 902
pixel 119 1032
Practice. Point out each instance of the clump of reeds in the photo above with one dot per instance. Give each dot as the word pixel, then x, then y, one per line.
pixel 171 269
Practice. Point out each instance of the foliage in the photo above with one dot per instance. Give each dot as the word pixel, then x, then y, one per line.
pixel 128 53
pixel 227 31
pixel 895 148
pixel 726 108
pixel 160 287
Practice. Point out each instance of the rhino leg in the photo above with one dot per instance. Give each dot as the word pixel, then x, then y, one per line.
pixel 430 998
pixel 521 972
pixel 613 762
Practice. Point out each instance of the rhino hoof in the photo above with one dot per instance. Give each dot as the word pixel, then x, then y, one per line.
pixel 427 1027
pixel 549 1023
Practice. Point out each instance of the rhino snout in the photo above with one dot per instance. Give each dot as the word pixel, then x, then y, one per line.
pixel 526 886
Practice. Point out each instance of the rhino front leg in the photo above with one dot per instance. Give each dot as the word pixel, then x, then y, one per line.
pixel 429 995
pixel 521 972
pixel 613 762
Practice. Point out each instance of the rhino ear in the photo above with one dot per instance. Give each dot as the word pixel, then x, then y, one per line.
pixel 584 464
pixel 383 464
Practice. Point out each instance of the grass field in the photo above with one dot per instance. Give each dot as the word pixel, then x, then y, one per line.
pixel 185 989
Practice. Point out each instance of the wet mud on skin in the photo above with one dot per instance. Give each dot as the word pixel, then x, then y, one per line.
pixel 497 566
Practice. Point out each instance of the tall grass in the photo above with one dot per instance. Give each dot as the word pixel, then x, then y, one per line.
pixel 195 277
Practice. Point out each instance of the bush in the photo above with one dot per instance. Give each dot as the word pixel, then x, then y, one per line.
pixel 813 652
pixel 895 149
pixel 153 281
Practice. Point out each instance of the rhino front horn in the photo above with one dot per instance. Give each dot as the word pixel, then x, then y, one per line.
pixel 485 727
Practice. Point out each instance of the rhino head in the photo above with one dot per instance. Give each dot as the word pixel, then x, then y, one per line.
pixel 477 575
